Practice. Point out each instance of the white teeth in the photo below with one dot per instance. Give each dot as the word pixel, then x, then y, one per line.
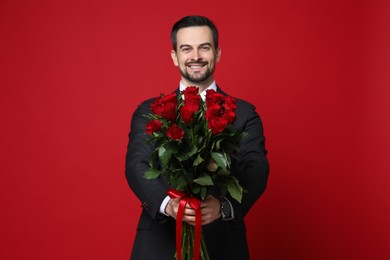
pixel 195 67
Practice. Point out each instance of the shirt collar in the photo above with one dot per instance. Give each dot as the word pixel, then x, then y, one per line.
pixel 213 86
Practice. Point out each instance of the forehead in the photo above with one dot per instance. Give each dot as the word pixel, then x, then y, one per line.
pixel 194 35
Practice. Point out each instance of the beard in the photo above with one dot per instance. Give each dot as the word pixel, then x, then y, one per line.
pixel 198 77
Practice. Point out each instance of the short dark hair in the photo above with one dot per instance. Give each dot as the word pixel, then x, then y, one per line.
pixel 190 21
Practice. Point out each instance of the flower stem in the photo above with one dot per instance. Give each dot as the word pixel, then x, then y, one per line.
pixel 189 243
pixel 204 255
pixel 188 237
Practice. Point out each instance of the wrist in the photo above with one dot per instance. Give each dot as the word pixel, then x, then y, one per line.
pixel 225 209
pixel 164 206
pixel 169 208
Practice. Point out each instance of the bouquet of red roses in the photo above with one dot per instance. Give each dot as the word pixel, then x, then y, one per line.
pixel 194 145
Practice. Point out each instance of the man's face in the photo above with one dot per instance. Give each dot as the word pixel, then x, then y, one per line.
pixel 196 54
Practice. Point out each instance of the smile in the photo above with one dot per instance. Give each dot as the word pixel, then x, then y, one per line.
pixel 196 65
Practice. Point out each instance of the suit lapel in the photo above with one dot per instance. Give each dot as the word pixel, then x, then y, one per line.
pixel 219 90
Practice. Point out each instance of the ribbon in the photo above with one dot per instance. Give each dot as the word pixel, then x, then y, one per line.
pixel 195 204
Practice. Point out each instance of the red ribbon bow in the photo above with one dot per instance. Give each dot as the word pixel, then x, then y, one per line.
pixel 195 204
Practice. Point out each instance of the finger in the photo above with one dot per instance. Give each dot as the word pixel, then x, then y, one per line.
pixel 189 212
pixel 189 219
pixel 188 206
pixel 206 220
pixel 205 210
pixel 206 202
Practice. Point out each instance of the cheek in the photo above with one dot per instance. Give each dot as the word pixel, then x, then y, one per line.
pixel 212 58
pixel 182 60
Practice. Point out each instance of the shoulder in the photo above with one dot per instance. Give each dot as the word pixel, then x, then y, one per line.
pixel 244 105
pixel 144 106
pixel 244 108
pixel 245 112
pixel 147 103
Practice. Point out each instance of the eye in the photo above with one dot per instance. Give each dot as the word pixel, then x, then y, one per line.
pixel 185 49
pixel 205 47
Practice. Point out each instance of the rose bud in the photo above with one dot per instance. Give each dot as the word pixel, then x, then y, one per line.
pixel 212 166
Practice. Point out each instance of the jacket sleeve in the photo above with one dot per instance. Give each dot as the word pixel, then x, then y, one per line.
pixel 251 167
pixel 151 193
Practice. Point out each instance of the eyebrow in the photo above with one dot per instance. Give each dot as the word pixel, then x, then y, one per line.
pixel 200 45
pixel 184 45
pixel 205 44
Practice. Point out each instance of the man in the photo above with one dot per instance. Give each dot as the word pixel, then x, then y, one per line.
pixel 195 52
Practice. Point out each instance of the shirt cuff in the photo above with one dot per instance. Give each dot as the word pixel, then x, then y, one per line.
pixel 164 205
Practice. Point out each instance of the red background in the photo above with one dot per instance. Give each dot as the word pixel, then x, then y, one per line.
pixel 72 73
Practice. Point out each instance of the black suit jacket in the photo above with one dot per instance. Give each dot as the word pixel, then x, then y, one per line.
pixel 155 237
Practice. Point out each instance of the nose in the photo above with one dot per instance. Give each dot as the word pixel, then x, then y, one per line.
pixel 195 55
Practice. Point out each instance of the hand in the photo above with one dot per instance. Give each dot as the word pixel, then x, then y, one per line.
pixel 210 210
pixel 173 207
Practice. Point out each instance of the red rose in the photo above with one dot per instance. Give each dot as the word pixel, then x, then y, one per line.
pixel 175 132
pixel 165 106
pixel 170 98
pixel 170 111
pixel 213 110
pixel 193 103
pixel 215 120
pixel 153 126
pixel 217 124
pixel 188 110
pixel 230 103
pixel 230 116
pixel 190 92
pixel 213 97
pixel 191 98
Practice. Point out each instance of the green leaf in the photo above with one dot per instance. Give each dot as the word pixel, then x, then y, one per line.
pixel 204 180
pixel 152 173
pixel 223 172
pixel 153 157
pixel 220 159
pixel 164 155
pixel 171 147
pixel 193 151
pixel 218 144
pixel 181 183
pixel 196 189
pixel 198 160
pixel 228 161
pixel 182 157
pixel 235 189
pixel 203 192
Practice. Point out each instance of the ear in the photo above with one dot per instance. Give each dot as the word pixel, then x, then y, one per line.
pixel 174 58
pixel 218 54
